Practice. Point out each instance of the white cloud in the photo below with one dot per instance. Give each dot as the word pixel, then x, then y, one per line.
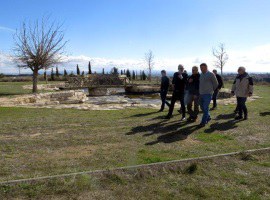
pixel 256 59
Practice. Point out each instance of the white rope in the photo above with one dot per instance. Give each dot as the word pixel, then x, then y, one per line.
pixel 132 167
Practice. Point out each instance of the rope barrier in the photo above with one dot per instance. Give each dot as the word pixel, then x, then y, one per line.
pixel 132 167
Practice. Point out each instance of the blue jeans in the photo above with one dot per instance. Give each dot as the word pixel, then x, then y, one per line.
pixel 205 100
pixel 163 95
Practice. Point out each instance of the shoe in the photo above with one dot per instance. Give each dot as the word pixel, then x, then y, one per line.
pixel 190 119
pixel 214 108
pixel 180 111
pixel 209 119
pixel 183 119
pixel 238 118
pixel 245 117
pixel 161 110
pixel 201 125
pixel 168 117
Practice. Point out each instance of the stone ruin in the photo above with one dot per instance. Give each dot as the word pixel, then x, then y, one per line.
pixel 50 98
pixel 95 80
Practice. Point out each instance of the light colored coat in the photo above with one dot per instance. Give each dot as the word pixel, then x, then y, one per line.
pixel 243 86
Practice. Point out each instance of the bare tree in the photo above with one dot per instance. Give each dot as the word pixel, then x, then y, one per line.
pixel 149 58
pixel 221 57
pixel 38 46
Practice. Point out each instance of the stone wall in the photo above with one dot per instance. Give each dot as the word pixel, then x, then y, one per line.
pixel 49 87
pixel 51 98
pixel 142 89
pixel 102 91
pixel 224 93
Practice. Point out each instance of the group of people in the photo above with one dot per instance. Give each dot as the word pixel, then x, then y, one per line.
pixel 199 89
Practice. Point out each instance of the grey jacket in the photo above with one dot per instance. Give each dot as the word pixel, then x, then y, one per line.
pixel 208 83
pixel 242 85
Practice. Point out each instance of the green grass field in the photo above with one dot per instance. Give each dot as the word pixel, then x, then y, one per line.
pixel 41 142
pixel 223 178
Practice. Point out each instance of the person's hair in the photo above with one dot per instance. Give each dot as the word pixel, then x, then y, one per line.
pixel 195 67
pixel 163 71
pixel 203 65
pixel 180 66
pixel 243 68
pixel 215 70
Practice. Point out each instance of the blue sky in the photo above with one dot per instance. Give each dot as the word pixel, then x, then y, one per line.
pixel 119 32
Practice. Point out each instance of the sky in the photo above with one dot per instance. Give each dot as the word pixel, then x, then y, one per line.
pixel 117 33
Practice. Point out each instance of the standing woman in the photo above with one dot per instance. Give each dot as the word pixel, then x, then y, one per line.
pixel 242 88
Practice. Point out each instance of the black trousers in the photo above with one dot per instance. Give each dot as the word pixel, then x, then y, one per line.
pixel 163 96
pixel 214 98
pixel 193 99
pixel 241 105
pixel 178 96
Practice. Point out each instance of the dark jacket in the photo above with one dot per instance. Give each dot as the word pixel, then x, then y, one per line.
pixel 194 87
pixel 165 83
pixel 220 81
pixel 179 83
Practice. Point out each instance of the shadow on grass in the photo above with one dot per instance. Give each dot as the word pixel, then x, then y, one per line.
pixel 223 126
pixel 171 132
pixel 225 116
pixel 174 136
pixel 145 114
pixel 263 114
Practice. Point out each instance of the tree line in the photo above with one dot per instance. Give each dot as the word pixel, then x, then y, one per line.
pixel 131 74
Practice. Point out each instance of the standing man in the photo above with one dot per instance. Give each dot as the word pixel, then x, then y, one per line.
pixel 179 84
pixel 242 88
pixel 165 83
pixel 208 84
pixel 220 85
pixel 193 94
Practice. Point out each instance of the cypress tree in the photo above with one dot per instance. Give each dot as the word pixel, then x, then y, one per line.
pixel 82 73
pixel 65 72
pixel 143 75
pixel 52 75
pixel 114 71
pixel 128 73
pixel 89 68
pixel 56 72
pixel 45 75
pixel 103 71
pixel 133 75
pixel 78 70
